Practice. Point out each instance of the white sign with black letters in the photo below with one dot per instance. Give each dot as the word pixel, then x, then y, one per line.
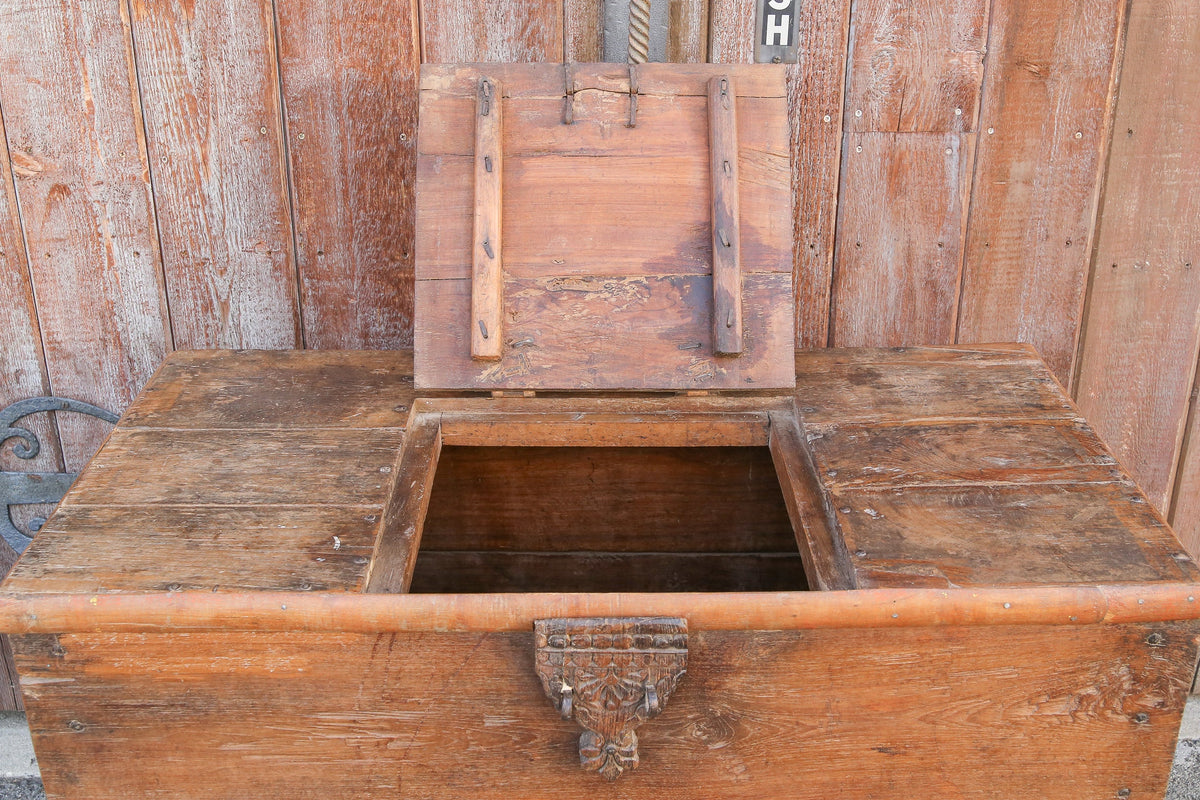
pixel 777 29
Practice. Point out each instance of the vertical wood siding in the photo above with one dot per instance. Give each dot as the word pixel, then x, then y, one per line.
pixel 955 177
pixel 350 95
pixel 1142 332
pixel 210 95
pixel 1045 125
pixel 72 121
pixel 915 72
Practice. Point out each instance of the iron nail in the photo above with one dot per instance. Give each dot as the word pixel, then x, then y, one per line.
pixel 75 725
pixel 487 163
pixel 1141 718
pixel 728 168
pixel 690 346
pixel 724 239
pixel 523 343
pixel 729 319
pixel 487 248
pixel 483 329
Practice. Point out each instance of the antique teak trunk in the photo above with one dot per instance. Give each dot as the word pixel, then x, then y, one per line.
pixel 616 538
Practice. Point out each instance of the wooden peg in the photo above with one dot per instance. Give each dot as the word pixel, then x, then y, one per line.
pixel 727 267
pixel 487 275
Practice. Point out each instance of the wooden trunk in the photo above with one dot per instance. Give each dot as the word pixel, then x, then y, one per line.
pixel 608 497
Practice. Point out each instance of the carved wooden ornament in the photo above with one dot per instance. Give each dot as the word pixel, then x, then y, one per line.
pixel 611 674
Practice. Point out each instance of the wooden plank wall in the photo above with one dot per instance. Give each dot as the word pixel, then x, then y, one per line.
pixel 198 173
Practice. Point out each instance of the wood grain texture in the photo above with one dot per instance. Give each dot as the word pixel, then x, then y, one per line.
pixel 1049 533
pixel 583 30
pixel 575 333
pixel 687 31
pixel 758 714
pixel 173 548
pixel 960 452
pixel 1185 507
pixel 1044 129
pixel 725 225
pixel 249 389
pixel 22 365
pixel 915 66
pixel 826 562
pixel 909 384
pixel 75 144
pixel 607 232
pixel 487 243
pixel 492 30
pixel 348 73
pixel 731 32
pixel 816 87
pixel 309 466
pixel 396 547
pixel 10 691
pixel 901 224
pixel 22 375
pixel 209 82
pixel 1142 324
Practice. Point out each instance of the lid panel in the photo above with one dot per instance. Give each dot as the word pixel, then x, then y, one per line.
pixel 606 233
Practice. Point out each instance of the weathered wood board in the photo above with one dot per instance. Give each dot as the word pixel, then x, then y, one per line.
pixel 77 154
pixel 208 75
pixel 350 99
pixel 795 714
pixel 495 30
pixel 1141 336
pixel 607 239
pixel 1046 116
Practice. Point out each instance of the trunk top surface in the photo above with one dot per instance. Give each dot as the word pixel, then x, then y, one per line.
pixel 950 469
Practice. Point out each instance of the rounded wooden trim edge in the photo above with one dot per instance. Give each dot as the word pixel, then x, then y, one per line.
pixel 385 613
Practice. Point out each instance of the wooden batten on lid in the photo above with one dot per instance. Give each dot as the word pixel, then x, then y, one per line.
pixel 602 227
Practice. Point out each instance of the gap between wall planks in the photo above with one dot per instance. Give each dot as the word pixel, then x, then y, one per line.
pixel 1142 325
pixel 1046 113
pixel 816 84
pixel 906 167
pixel 350 99
pixel 493 30
pixel 208 77
pixel 22 364
pixel 22 374
pixel 74 137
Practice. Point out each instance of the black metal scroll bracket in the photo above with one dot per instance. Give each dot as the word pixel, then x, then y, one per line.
pixel 23 488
